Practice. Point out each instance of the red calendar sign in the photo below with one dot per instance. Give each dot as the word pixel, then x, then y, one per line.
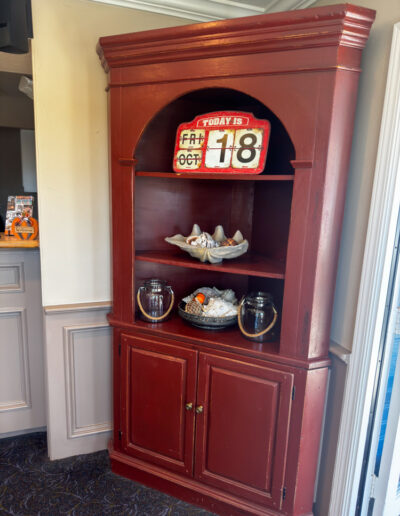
pixel 224 142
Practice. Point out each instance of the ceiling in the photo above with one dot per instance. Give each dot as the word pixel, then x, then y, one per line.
pixel 209 10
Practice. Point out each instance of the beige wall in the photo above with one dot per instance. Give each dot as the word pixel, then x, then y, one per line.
pixel 71 142
pixel 362 165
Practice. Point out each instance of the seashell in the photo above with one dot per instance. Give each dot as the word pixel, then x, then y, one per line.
pixel 229 241
pixel 202 240
pixel 214 254
pixel 218 307
pixel 229 295
pixel 192 238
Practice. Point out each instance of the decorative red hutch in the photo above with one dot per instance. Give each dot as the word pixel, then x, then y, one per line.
pixel 209 416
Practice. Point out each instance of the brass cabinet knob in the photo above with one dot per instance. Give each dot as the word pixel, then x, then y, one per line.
pixel 189 406
pixel 199 409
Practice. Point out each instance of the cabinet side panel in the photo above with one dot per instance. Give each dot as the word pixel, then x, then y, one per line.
pixel 332 207
pixel 122 183
pixel 317 211
pixel 310 431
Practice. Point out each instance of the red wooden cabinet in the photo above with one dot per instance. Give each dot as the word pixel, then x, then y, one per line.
pixel 252 446
pixel 242 433
pixel 228 418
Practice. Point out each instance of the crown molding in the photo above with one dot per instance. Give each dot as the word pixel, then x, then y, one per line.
pixel 210 10
pixel 330 26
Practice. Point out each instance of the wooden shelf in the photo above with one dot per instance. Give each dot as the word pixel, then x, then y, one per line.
pixel 13 242
pixel 249 265
pixel 229 340
pixel 226 177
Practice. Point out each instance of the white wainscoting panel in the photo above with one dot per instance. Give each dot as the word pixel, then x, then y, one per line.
pixel 78 346
pixel 15 388
pixel 88 379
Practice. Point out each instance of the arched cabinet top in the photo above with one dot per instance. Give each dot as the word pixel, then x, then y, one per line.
pixel 293 106
pixel 288 62
pixel 162 128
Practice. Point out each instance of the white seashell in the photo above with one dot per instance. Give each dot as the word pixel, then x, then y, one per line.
pixel 203 240
pixel 229 295
pixel 218 307
pixel 207 241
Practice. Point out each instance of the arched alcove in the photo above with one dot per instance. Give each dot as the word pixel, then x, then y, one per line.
pixel 154 151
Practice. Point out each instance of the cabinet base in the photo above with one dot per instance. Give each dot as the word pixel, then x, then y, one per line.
pixel 186 489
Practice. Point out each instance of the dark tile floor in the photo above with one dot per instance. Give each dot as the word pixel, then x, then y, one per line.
pixel 32 485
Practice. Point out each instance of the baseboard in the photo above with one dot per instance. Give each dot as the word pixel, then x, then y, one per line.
pixel 23 432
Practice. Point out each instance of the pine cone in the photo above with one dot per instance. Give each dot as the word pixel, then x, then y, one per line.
pixel 193 307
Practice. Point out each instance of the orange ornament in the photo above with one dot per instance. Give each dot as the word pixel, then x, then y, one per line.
pixel 26 228
pixel 200 298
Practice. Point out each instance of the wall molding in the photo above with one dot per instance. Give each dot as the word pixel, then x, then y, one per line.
pixel 25 402
pixel 339 352
pixel 385 205
pixel 17 272
pixel 69 335
pixel 209 10
pixel 77 307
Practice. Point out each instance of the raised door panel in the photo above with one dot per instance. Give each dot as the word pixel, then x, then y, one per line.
pixel 22 395
pixel 158 381
pixel 242 433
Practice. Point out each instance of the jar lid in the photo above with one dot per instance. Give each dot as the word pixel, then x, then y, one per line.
pixel 259 298
pixel 155 284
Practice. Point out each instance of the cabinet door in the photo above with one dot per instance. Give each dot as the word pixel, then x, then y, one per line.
pixel 158 381
pixel 242 432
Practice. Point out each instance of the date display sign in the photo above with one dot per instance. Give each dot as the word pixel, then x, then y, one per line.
pixel 224 142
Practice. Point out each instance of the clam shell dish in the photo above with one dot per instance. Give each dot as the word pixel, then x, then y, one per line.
pixel 211 254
